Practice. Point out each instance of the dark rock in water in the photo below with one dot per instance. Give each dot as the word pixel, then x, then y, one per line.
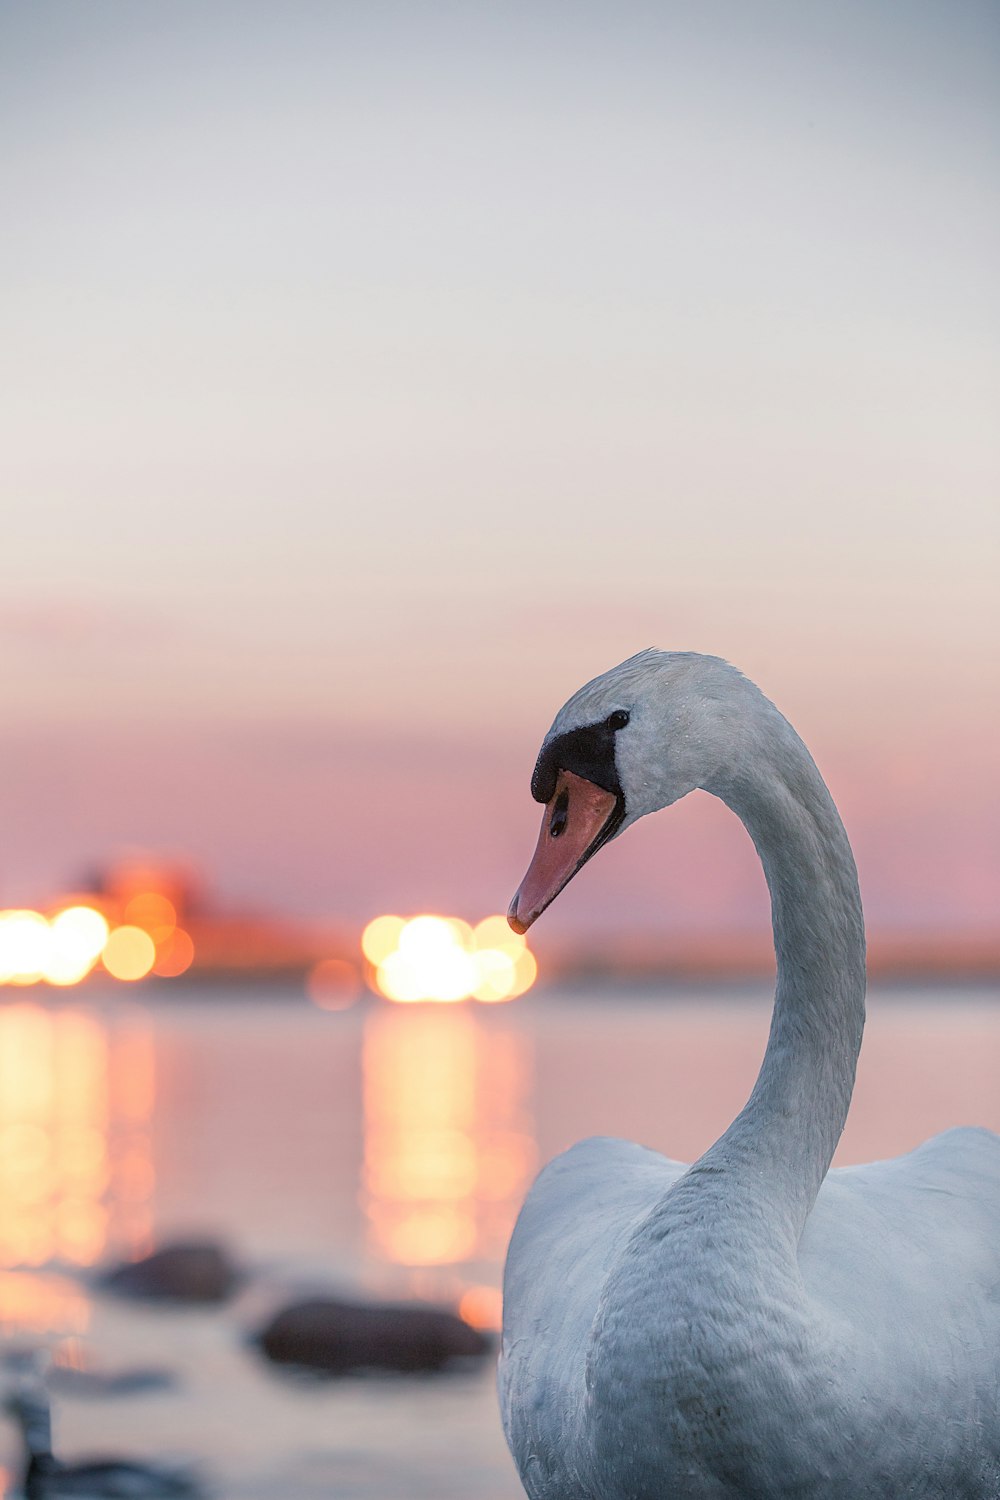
pixel 194 1271
pixel 338 1338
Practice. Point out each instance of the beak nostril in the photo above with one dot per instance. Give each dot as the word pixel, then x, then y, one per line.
pixel 560 814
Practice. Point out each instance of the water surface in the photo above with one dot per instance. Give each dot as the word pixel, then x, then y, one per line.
pixel 380 1150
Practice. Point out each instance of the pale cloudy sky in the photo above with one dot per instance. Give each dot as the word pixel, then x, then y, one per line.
pixel 373 375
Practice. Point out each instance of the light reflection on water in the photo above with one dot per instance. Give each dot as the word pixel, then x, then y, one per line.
pixel 448 1146
pixel 387 1145
pixel 387 1142
pixel 384 1149
pixel 76 1100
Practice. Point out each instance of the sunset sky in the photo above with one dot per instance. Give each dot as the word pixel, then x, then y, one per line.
pixel 376 374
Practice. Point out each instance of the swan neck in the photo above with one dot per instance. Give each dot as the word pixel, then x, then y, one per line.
pixel 784 1139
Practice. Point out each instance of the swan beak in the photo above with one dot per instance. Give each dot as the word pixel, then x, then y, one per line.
pixel 576 822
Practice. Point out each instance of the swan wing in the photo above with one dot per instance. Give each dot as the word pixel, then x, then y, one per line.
pixel 925 1226
pixel 906 1254
pixel 575 1219
pixel 898 1258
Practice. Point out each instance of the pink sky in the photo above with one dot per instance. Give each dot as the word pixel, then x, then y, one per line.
pixel 371 387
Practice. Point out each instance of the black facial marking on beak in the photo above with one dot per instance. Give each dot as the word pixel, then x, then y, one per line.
pixel 588 752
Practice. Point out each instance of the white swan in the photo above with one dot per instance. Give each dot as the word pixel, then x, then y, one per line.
pixel 753 1325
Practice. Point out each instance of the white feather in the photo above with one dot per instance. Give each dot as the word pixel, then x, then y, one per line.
pixel 757 1325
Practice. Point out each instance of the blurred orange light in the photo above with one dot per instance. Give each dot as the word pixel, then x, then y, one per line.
pixel 77 936
pixel 61 951
pixel 25 943
pixel 496 932
pixel 83 928
pixel 135 1177
pixel 153 913
pixel 381 937
pixel 129 953
pixel 525 973
pixel 175 955
pixel 40 1304
pixel 333 984
pixel 431 962
pixel 482 1307
pixel 444 959
pixel 495 975
pixel 81 1228
pixel 431 1236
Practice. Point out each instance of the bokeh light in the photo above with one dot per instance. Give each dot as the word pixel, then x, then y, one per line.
pixel 445 959
pixel 83 929
pixel 76 938
pixel 154 913
pixel 129 953
pixel 63 949
pixel 174 955
pixel 482 1307
pixel 24 946
pixel 381 937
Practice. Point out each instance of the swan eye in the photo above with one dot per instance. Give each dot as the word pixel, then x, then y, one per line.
pixel 618 719
pixel 559 814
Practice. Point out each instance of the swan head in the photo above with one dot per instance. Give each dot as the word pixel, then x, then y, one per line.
pixel 628 743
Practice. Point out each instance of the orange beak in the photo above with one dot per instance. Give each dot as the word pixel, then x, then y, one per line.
pixel 574 825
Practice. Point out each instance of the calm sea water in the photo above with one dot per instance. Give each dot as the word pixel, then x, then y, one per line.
pixel 380 1150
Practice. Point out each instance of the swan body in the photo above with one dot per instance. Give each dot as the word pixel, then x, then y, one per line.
pixel 754 1325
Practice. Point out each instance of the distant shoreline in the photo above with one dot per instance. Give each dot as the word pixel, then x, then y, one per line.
pixel 903 959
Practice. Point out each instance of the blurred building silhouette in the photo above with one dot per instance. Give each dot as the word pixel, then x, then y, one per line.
pixel 228 943
pixel 141 918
